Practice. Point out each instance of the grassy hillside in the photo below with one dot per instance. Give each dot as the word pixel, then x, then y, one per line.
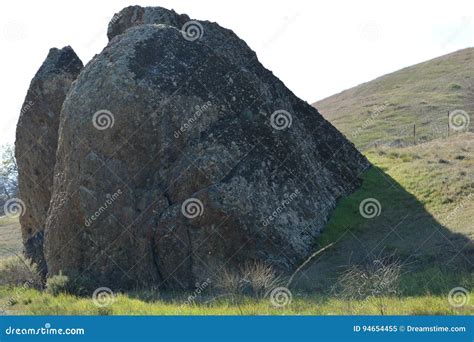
pixel 426 195
pixel 384 110
pixel 426 214
pixel 10 237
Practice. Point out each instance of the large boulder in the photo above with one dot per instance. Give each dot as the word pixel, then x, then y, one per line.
pixel 36 143
pixel 180 155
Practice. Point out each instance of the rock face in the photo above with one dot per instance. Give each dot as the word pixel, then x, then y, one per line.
pixel 36 143
pixel 180 155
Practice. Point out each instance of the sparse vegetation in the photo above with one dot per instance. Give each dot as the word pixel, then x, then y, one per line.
pixel 254 279
pixel 18 271
pixel 377 278
pixel 390 106
pixel 375 281
pixel 57 284
pixel 432 243
pixel 10 237
pixel 425 219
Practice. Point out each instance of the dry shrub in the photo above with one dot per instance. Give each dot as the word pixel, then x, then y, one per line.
pixel 19 271
pixel 228 281
pixel 57 284
pixel 71 282
pixel 380 277
pixel 253 279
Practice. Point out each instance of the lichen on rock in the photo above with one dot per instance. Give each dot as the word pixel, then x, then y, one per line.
pixel 216 161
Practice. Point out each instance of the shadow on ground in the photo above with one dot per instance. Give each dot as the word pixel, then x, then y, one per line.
pixel 435 258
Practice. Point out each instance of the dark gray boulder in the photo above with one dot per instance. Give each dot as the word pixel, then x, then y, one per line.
pixel 180 155
pixel 36 143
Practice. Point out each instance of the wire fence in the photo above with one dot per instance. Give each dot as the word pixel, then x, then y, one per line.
pixel 456 122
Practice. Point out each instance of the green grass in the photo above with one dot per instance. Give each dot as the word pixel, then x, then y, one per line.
pixel 40 303
pixel 421 94
pixel 10 237
pixel 425 220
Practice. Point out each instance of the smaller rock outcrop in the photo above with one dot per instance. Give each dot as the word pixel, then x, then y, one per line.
pixel 36 143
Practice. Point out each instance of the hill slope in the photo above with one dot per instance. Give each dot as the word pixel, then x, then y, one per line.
pixel 426 196
pixel 10 237
pixel 384 110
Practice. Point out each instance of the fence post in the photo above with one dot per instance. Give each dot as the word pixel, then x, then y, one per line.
pixel 414 133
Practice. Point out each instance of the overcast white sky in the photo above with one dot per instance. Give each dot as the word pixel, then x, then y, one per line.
pixel 317 48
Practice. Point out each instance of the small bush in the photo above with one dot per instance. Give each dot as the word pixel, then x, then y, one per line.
pixel 372 283
pixel 253 279
pixel 258 278
pixel 228 281
pixel 19 271
pixel 57 284
pixel 70 282
pixel 454 86
pixel 380 277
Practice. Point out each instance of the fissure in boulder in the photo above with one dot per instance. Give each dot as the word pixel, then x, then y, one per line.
pixel 182 153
